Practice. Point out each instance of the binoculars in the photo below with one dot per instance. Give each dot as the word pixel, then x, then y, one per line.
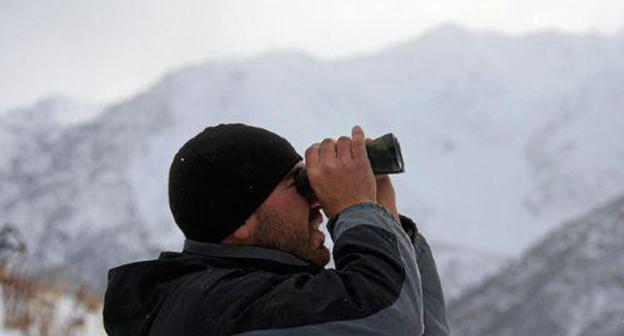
pixel 384 154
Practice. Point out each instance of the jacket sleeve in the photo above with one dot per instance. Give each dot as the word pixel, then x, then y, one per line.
pixel 374 290
pixel 433 298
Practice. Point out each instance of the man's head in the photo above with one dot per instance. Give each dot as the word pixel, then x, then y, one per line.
pixel 232 184
pixel 286 221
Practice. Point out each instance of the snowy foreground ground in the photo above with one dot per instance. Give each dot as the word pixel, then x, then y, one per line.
pixel 92 325
pixel 28 307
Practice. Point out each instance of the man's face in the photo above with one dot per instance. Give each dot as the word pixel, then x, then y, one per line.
pixel 289 222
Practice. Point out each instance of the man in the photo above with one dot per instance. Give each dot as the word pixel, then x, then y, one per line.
pixel 253 259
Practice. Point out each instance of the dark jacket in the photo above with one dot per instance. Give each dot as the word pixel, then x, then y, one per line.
pixel 385 283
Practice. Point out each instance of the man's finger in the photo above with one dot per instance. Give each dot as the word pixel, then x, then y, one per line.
pixel 343 148
pixel 328 149
pixel 358 145
pixel 312 155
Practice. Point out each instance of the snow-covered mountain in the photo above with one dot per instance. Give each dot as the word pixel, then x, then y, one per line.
pixel 502 136
pixel 463 268
pixel 569 284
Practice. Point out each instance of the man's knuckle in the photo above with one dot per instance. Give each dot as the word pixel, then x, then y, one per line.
pixel 344 139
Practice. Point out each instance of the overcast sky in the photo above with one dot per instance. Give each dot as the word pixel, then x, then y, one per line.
pixel 108 49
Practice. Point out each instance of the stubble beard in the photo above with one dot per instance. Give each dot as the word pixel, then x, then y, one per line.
pixel 273 231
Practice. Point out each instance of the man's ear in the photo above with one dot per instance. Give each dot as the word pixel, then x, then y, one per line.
pixel 244 231
pixel 243 234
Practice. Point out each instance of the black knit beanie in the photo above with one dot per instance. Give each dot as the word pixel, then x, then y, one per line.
pixel 222 175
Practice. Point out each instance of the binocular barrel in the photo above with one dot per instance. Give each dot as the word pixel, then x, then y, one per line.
pixel 384 154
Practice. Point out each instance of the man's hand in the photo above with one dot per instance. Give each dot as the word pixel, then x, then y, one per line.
pixel 340 173
pixel 385 192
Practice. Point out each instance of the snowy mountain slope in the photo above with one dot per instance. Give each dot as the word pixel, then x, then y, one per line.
pixel 462 268
pixel 580 143
pixel 477 107
pixel 474 113
pixel 571 283
pixel 39 123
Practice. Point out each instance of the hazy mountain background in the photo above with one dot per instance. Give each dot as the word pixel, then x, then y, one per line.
pixel 503 138
pixel 570 283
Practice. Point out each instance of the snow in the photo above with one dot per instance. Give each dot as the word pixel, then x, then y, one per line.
pixel 57 313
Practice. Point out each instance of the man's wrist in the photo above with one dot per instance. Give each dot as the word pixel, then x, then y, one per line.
pixel 341 208
pixel 357 207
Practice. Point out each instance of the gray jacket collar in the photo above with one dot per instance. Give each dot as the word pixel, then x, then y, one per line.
pixel 241 251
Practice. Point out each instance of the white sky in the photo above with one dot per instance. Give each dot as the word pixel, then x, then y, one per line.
pixel 103 50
